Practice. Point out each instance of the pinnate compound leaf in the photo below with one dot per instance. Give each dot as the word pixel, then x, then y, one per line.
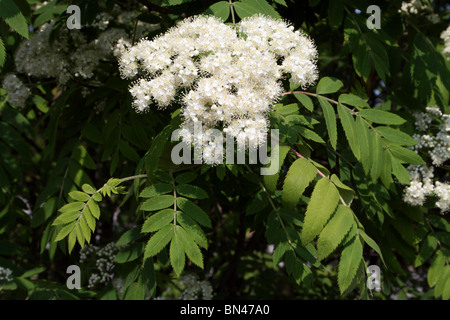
pixel 158 241
pixel 324 199
pixel 334 231
pixel 301 173
pixel 348 265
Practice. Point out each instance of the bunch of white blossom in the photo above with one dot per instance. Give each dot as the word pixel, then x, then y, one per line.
pixel 72 54
pixel 226 77
pixel 437 146
pixel 104 262
pixel 445 35
pixel 194 289
pixel 416 7
pixel 5 275
pixel 16 90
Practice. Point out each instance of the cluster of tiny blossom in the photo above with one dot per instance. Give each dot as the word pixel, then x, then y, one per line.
pixel 104 262
pixel 195 289
pixel 227 82
pixel 72 53
pixel 437 146
pixel 16 90
pixel 445 35
pixel 415 7
pixel 5 275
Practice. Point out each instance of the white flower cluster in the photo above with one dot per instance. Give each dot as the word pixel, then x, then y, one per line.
pixel 226 77
pixel 104 262
pixel 16 90
pixel 437 146
pixel 5 275
pixel 195 289
pixel 415 7
pixel 72 54
pixel 445 35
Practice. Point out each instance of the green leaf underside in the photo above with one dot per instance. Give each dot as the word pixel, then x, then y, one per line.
pixel 334 231
pixel 348 265
pixel 324 199
pixel 301 173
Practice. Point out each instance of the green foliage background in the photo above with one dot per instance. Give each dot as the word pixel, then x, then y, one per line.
pixel 72 174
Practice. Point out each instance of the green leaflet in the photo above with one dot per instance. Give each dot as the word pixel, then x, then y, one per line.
pixel 353 100
pixel 153 155
pixel 73 206
pixel 79 196
pixel 13 17
pixel 157 203
pixel 324 199
pixel 350 259
pixel 301 173
pixel 219 9
pixel 371 243
pixel 426 251
pixel 406 155
pixel 305 101
pixel 190 247
pixel 158 220
pixel 329 85
pixel 348 124
pixel 2 53
pixel 194 231
pixel 155 190
pixel 399 171
pixel 396 136
pixel 330 120
pixel 363 136
pixel 247 8
pixel 191 191
pixel 381 116
pixel 194 211
pixel 334 231
pixel 271 180
pixel 377 156
pixel 64 231
pixel 176 252
pixel 66 217
pixel 436 269
pixel 158 241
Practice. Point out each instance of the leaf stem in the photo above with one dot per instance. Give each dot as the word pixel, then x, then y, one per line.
pixel 232 12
